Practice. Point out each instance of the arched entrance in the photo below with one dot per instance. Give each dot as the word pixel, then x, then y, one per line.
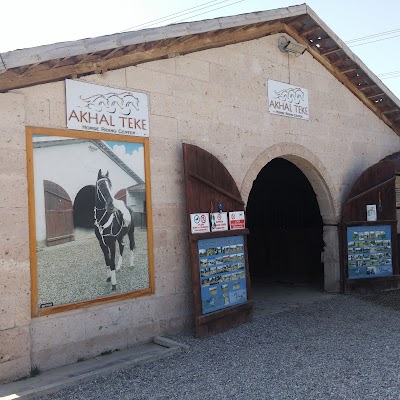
pixel 83 208
pixel 286 228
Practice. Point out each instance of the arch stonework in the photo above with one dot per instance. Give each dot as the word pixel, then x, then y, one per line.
pixel 327 197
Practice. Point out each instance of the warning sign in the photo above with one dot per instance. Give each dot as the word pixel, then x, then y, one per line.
pixel 236 220
pixel 200 223
pixel 219 221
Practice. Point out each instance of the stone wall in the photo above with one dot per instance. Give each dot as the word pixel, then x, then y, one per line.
pixel 216 99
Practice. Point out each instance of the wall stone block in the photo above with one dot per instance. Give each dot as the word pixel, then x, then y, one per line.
pixel 15 368
pixel 193 68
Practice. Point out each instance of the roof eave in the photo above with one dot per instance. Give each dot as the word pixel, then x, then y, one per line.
pixel 40 54
pixel 59 61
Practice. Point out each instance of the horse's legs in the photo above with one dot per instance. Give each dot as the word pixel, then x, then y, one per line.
pixel 111 246
pixel 121 251
pixel 132 256
pixel 106 253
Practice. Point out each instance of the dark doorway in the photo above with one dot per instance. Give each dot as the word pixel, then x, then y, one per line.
pixel 83 208
pixel 285 224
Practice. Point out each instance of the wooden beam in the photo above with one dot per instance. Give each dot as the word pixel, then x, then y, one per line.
pixel 349 69
pixel 29 68
pixel 293 20
pixel 84 59
pixel 370 86
pixel 153 51
pixel 391 111
pixel 190 37
pixel 344 80
pixel 330 51
pixel 244 28
pixel 310 30
pixel 336 62
pixel 215 187
pixel 370 190
pixel 54 63
pixel 371 96
pixel 321 42
pixel 111 53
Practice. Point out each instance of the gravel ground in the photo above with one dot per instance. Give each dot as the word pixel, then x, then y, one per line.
pixel 76 271
pixel 339 347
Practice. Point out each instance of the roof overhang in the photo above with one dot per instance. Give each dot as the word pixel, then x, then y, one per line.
pixel 50 63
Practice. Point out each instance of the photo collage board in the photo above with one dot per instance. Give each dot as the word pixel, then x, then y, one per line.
pixel 222 273
pixel 369 251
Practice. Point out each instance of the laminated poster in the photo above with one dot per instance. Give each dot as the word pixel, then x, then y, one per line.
pixel 222 273
pixel 369 251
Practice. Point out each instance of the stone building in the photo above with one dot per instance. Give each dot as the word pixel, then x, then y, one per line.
pixel 207 84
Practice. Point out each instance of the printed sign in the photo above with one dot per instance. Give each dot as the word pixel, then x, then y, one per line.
pixel 222 273
pixel 371 212
pixel 236 220
pixel 200 223
pixel 219 221
pixel 369 251
pixel 106 110
pixel 287 100
pixel 397 190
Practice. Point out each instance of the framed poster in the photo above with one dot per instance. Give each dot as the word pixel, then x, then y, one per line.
pixel 88 192
pixel 369 251
pixel 222 271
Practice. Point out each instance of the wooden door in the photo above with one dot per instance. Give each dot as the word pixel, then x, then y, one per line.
pixel 375 186
pixel 208 182
pixel 59 214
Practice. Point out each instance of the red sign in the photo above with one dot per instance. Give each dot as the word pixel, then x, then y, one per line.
pixel 236 220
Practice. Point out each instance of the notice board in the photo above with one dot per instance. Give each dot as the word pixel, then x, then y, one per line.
pixel 222 270
pixel 369 251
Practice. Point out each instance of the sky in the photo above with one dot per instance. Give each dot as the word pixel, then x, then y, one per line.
pixel 132 154
pixel 28 23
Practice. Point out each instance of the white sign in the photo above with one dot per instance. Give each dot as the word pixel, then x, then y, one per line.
pixel 371 212
pixel 106 110
pixel 200 223
pixel 287 100
pixel 236 220
pixel 219 221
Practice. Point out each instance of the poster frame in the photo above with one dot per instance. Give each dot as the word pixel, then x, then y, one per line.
pixel 36 311
pixel 234 315
pixel 225 261
pixel 394 244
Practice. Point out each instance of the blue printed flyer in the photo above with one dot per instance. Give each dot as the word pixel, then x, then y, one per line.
pixel 369 251
pixel 222 273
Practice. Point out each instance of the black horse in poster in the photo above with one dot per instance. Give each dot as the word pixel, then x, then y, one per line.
pixel 113 220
